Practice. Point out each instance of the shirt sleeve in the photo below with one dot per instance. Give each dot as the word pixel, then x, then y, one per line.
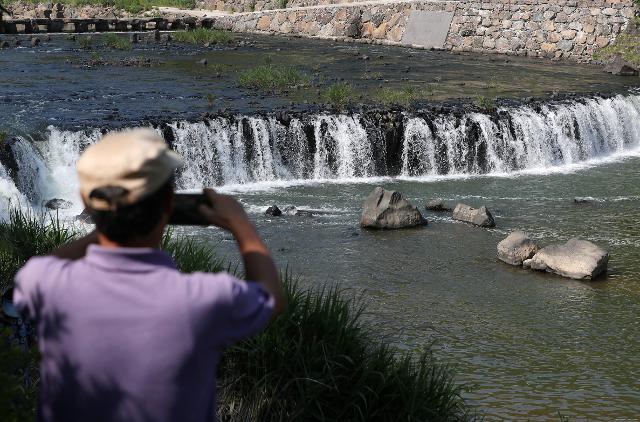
pixel 251 309
pixel 28 291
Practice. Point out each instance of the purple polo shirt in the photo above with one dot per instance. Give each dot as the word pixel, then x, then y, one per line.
pixel 124 336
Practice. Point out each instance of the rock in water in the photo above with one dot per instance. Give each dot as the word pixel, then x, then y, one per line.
pixel 516 248
pixel 58 204
pixel 578 259
pixel 436 204
pixel 387 209
pixel 273 211
pixel 480 217
pixel 290 210
pixel 620 67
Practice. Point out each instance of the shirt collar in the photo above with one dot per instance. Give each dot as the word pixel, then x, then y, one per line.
pixel 128 259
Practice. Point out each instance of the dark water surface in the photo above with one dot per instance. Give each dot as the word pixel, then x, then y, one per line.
pixel 529 344
pixel 52 84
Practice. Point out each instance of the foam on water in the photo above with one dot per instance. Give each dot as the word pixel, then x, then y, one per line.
pixel 256 153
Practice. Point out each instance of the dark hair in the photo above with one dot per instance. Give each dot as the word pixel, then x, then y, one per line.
pixel 130 221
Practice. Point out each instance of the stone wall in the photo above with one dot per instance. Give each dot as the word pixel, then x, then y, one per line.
pixel 570 29
pixel 260 5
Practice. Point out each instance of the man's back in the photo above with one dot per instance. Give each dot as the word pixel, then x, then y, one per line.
pixel 125 336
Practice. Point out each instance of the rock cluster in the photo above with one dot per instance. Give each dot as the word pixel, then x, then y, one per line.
pixel 388 209
pixel 577 258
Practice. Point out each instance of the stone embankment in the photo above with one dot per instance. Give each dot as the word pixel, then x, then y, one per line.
pixel 571 29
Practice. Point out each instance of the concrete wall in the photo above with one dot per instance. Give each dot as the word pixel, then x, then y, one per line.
pixel 570 29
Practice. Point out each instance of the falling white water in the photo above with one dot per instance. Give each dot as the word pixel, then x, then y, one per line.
pixel 262 150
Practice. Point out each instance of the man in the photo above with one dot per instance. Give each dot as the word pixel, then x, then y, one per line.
pixel 122 334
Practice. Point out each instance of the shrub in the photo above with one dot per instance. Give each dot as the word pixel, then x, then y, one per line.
pixel 271 77
pixel 339 95
pixel 203 36
pixel 282 4
pixel 117 42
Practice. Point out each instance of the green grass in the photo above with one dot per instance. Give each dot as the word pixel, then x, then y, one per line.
pixel 316 362
pixel 131 6
pixel 273 78
pixel 117 42
pixel 484 103
pixel 3 137
pixel 403 96
pixel 85 42
pixel 626 45
pixel 282 4
pixel 339 95
pixel 25 235
pixel 203 36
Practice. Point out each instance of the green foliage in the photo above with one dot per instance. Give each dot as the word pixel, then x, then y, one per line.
pixel 18 380
pixel 203 36
pixel 484 103
pixel 131 6
pixel 282 4
pixel 117 42
pixel 319 362
pixel 626 45
pixel 403 96
pixel 339 95
pixel 3 136
pixel 25 235
pixel 270 77
pixel 191 256
pixel 85 42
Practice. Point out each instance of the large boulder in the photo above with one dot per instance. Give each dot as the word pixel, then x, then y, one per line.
pixel 437 205
pixel 477 216
pixel 578 259
pixel 516 248
pixel 273 211
pixel 387 209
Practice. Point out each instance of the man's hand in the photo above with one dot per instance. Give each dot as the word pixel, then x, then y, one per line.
pixel 224 211
pixel 227 213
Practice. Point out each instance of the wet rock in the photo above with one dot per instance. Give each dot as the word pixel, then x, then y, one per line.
pixel 577 259
pixel 436 204
pixel 58 204
pixel 4 44
pixel 516 248
pixel 620 67
pixel 35 41
pixel 290 210
pixel 304 213
pixel 477 216
pixel 203 62
pixel 582 200
pixel 387 209
pixel 273 211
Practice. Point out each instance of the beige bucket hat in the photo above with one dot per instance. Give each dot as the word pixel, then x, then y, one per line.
pixel 138 161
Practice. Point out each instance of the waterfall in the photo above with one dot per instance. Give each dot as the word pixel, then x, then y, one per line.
pixel 248 149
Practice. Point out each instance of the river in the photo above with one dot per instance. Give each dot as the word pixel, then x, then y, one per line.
pixel 529 345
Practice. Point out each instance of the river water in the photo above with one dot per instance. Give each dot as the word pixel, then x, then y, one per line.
pixel 528 345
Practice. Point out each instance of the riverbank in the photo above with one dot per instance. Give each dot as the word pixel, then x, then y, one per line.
pixel 572 30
